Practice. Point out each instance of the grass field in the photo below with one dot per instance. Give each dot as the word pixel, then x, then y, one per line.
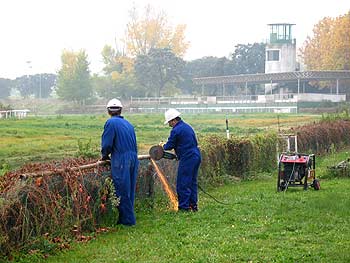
pixel 48 138
pixel 257 225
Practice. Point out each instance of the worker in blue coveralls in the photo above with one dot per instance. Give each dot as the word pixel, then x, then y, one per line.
pixel 119 145
pixel 183 140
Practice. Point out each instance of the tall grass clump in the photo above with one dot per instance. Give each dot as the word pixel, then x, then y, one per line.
pixel 342 115
pixel 241 157
pixel 322 136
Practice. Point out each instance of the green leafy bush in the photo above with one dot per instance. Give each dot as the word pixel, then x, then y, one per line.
pixel 86 149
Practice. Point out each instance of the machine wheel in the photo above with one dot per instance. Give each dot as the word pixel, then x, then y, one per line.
pixel 305 182
pixel 316 184
pixel 283 186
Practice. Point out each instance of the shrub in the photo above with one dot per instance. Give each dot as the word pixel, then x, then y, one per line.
pixel 236 157
pixel 319 137
pixel 62 204
pixel 86 149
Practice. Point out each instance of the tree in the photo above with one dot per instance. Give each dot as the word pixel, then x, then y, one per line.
pixel 342 42
pixel 143 34
pixel 329 47
pixel 159 69
pixel 317 49
pixel 24 85
pixel 246 59
pixel 5 88
pixel 110 59
pixel 152 31
pixel 205 67
pixel 123 86
pixel 119 80
pixel 73 81
pixel 39 85
pixel 42 84
pixel 249 58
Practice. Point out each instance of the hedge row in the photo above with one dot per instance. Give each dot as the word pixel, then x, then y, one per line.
pixel 46 211
pixel 236 157
pixel 324 136
pixel 243 157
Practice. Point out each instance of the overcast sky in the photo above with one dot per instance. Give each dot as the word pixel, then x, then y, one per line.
pixel 38 30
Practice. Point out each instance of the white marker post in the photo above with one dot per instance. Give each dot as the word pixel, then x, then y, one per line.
pixel 227 130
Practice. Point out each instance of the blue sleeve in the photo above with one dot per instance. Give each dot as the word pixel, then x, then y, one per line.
pixel 107 140
pixel 171 143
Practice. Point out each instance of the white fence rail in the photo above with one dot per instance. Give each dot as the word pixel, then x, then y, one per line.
pixel 19 114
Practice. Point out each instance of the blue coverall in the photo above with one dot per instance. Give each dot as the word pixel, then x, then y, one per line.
pixel 183 140
pixel 119 140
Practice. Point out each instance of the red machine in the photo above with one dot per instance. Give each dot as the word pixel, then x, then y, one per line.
pixel 296 169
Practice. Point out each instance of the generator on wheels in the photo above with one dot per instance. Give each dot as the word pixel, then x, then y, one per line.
pixel 296 170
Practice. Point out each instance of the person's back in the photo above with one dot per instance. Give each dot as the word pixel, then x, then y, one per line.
pixel 183 140
pixel 123 135
pixel 185 143
pixel 119 144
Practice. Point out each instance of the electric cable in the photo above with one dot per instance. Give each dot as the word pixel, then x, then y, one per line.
pixel 215 199
pixel 286 187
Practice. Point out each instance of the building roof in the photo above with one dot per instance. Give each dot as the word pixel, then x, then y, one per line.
pixel 275 24
pixel 275 77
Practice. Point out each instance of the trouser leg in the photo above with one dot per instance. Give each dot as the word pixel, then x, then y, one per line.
pixel 186 185
pixel 194 184
pixel 183 184
pixel 124 183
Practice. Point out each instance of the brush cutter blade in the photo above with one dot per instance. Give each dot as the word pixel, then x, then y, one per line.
pixel 156 152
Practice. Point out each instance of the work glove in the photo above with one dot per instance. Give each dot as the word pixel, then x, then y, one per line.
pixel 105 158
pixel 161 143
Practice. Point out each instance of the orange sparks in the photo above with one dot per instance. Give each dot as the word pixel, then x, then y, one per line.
pixel 164 181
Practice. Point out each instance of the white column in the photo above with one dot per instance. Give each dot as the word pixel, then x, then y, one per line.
pixel 337 86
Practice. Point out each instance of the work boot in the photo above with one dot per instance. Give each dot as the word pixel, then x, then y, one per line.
pixel 194 208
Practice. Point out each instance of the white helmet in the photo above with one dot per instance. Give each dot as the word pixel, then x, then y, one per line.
pixel 170 115
pixel 114 103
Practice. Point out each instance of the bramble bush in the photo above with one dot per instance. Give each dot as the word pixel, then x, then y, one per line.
pixel 224 159
pixel 244 157
pixel 59 206
pixel 41 212
pixel 320 137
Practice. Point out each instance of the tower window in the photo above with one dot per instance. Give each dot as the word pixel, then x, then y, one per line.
pixel 273 55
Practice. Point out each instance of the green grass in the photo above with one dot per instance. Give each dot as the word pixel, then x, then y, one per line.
pixel 257 225
pixel 56 137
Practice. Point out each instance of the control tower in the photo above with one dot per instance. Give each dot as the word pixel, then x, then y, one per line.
pixel 280 49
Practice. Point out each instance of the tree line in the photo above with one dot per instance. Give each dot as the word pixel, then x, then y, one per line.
pixel 148 61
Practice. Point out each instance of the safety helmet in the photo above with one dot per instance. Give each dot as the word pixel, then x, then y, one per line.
pixel 114 104
pixel 171 114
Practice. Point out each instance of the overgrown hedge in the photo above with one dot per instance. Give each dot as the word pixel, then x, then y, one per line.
pixel 324 136
pixel 44 212
pixel 237 157
pixel 243 157
pixel 50 208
